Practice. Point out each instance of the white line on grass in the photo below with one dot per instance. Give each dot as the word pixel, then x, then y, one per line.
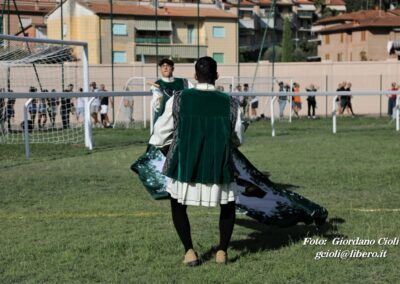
pixel 377 210
pixel 141 214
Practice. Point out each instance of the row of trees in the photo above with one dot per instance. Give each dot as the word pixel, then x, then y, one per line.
pixel 286 51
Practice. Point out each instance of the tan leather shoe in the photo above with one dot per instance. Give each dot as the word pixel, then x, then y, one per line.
pixel 191 258
pixel 221 257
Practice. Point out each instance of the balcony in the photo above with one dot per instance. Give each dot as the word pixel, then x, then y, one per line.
pixel 173 50
pixel 305 14
pixel 248 24
pixel 152 40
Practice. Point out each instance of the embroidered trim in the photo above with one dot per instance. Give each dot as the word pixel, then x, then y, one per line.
pixel 234 105
pixel 175 115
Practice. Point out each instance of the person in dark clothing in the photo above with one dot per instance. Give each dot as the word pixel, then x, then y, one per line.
pixel 10 112
pixel 104 102
pixel 311 102
pixel 346 101
pixel 65 108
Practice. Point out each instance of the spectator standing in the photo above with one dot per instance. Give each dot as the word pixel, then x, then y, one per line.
pixel 341 88
pixel 95 106
pixel 80 108
pixel 32 108
pixel 282 98
pixel 65 108
pixel 10 112
pixel 42 112
pixel 392 99
pixel 346 101
pixel 2 112
pixel 296 103
pixel 52 105
pixel 253 103
pixel 128 103
pixel 104 102
pixel 311 102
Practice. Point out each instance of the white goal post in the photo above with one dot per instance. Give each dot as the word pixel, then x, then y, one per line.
pixel 39 83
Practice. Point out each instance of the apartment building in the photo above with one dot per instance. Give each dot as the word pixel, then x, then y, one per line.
pixel 358 36
pixel 141 32
pixel 258 16
pixel 26 17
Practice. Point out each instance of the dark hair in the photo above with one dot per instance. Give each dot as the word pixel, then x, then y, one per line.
pixel 206 70
pixel 166 61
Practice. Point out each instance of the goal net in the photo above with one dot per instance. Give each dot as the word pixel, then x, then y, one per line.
pixel 42 85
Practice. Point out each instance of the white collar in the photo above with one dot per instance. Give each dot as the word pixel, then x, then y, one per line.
pixel 168 80
pixel 205 86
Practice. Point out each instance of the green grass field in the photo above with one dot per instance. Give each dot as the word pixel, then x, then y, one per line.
pixel 73 216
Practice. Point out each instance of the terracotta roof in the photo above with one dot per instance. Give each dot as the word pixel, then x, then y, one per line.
pixel 365 23
pixel 341 27
pixel 395 12
pixel 355 16
pixel 245 3
pixel 265 2
pixel 134 10
pixel 304 2
pixel 26 8
pixel 141 10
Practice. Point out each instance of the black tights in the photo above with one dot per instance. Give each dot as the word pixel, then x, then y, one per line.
pixel 182 225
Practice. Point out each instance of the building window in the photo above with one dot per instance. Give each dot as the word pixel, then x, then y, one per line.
pixel 174 31
pixel 219 32
pixel 342 37
pixel 120 29
pixel 351 36
pixel 219 57
pixel 340 57
pixel 327 39
pixel 351 56
pixel 119 56
pixel 363 35
pixel 190 34
pixel 327 57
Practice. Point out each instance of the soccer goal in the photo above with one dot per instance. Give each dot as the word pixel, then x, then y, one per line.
pixel 129 106
pixel 43 91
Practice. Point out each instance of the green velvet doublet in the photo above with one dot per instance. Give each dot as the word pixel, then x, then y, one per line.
pixel 201 147
pixel 168 89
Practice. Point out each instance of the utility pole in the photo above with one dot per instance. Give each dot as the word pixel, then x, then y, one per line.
pixel 198 29
pixel 62 38
pixel 112 57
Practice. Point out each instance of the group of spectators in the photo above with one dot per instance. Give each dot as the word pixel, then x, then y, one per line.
pixel 100 105
pixel 249 104
pixel 48 107
pixel 296 100
pixel 42 109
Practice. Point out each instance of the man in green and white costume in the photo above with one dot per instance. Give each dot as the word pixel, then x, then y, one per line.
pixel 165 87
pixel 201 126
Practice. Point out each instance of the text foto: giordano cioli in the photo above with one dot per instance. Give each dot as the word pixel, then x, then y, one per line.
pixel 355 242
